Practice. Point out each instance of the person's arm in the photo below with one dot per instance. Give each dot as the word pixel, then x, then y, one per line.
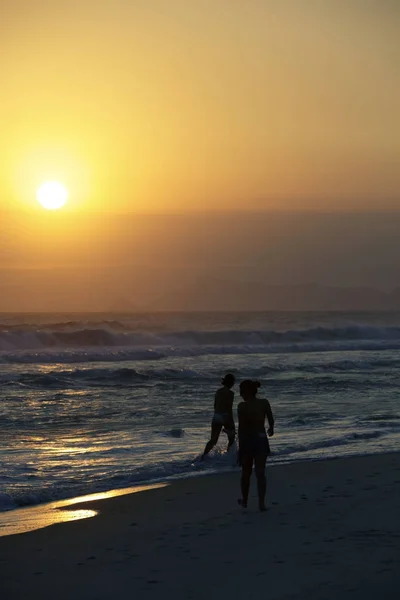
pixel 240 428
pixel 270 418
pixel 232 394
pixel 240 420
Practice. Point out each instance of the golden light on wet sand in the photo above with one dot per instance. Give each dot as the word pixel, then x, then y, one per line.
pixel 36 517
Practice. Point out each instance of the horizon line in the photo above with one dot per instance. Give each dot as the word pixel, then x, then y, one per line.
pixel 196 213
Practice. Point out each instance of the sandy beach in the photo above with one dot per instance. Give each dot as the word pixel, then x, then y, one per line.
pixel 332 531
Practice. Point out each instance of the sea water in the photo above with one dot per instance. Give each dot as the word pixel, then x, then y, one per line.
pixel 91 402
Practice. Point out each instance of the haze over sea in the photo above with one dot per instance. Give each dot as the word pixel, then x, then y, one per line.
pixel 91 402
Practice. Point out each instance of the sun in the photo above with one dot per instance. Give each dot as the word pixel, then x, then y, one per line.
pixel 52 195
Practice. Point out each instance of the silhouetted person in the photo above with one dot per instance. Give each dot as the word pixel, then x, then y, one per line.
pixel 223 414
pixel 253 440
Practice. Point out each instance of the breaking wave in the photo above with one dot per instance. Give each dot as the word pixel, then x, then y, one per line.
pixel 109 376
pixel 107 344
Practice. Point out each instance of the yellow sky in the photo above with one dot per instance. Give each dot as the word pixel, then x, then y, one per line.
pixel 180 105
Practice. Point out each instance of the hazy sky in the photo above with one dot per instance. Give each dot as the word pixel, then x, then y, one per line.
pixel 136 261
pixel 219 107
pixel 177 105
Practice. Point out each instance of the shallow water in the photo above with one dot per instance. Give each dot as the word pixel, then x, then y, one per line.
pixel 80 414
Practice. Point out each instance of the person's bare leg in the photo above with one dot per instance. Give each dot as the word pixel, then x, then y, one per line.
pixel 259 464
pixel 215 431
pixel 209 446
pixel 231 439
pixel 247 467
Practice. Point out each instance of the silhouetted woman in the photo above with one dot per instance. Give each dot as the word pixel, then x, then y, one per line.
pixel 223 414
pixel 253 440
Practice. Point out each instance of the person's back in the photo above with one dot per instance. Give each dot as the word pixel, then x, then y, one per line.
pixel 223 403
pixel 252 416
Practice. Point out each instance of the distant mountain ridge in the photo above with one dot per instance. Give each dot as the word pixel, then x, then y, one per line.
pixel 214 294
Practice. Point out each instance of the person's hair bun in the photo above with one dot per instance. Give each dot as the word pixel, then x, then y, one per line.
pixel 248 385
pixel 229 379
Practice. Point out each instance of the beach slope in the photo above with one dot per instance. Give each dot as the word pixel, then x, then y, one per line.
pixel 332 531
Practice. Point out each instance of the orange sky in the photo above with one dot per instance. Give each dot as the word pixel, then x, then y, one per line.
pixel 167 108
pixel 174 105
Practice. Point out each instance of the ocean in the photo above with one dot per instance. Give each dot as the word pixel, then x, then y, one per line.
pixel 92 402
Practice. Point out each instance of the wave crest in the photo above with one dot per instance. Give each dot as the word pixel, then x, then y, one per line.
pixel 26 339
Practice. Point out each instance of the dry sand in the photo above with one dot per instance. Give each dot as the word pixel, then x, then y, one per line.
pixel 332 531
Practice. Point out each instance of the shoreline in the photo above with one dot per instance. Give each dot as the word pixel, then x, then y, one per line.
pixel 39 516
pixel 332 531
pixel 31 517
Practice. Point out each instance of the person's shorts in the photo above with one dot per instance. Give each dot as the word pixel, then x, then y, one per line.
pixel 254 446
pixel 223 422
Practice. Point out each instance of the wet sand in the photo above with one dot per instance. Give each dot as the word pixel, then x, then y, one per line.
pixel 332 531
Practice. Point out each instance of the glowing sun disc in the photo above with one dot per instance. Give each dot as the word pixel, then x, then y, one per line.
pixel 52 195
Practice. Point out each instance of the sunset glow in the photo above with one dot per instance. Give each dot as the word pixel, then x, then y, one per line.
pixel 52 195
pixel 155 111
pixel 213 141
